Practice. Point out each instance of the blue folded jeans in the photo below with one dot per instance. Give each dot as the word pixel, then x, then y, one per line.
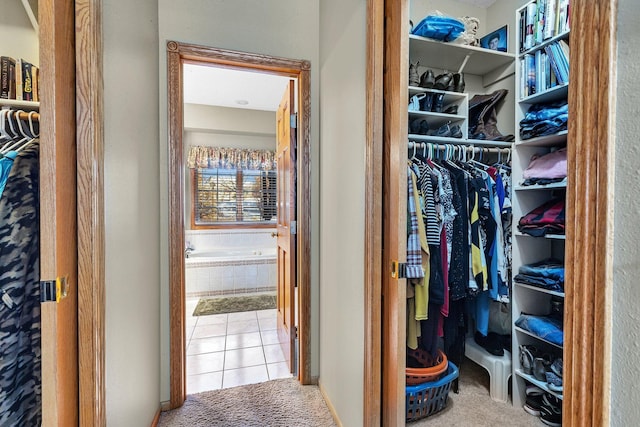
pixel 545 327
pixel 549 267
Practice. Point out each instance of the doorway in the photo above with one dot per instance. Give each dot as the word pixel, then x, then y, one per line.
pixel 178 55
pixel 231 118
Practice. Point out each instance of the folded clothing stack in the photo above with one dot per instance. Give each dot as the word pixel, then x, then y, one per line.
pixel 547 274
pixel 548 328
pixel 546 169
pixel 547 218
pixel 544 119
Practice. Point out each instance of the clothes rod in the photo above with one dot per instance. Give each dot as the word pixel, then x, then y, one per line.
pixel 497 150
pixel 25 116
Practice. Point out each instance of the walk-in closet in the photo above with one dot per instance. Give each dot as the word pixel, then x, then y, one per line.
pixel 479 203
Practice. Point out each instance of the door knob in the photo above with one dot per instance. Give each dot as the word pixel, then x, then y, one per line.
pixel 275 234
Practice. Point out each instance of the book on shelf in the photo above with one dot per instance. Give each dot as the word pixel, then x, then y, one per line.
pixel 530 22
pixel 27 81
pixel 7 77
pixel 19 79
pixel 35 75
pixel 540 21
pixel 551 26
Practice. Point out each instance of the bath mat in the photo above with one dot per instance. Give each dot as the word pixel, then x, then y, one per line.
pixel 219 305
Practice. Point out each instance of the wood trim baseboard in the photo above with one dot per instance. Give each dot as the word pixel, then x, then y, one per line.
pixel 332 409
pixel 156 418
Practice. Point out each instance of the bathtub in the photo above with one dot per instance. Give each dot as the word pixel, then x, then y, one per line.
pixel 233 271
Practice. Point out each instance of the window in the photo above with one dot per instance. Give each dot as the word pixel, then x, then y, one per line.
pixel 234 196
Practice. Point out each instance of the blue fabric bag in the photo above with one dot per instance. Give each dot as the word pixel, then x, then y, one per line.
pixel 443 28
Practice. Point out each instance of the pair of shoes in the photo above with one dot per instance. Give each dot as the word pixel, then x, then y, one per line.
pixel 490 342
pixel 444 82
pixel 452 109
pixel 540 367
pixel 533 401
pixel 526 358
pixel 427 79
pixel 551 410
pixel 432 102
pixel 458 82
pixel 554 376
pixel 419 127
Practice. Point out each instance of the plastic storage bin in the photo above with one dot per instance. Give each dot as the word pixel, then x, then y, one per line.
pixel 431 368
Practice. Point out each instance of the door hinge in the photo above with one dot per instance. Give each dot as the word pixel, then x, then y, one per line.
pixel 293 226
pixel 293 119
pixel 295 332
pixel 53 290
pixel 398 270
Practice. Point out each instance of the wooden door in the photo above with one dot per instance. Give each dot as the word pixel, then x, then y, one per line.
pixel 286 232
pixel 394 203
pixel 58 225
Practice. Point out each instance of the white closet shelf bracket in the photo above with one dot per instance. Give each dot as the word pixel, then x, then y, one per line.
pixel 32 16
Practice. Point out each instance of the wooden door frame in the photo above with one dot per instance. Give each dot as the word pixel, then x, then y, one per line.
pixel 177 54
pixel 90 193
pixel 589 240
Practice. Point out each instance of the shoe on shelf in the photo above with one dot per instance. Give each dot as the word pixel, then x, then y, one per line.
pixel 426 103
pixel 452 109
pixel 551 410
pixel 419 127
pixel 533 404
pixel 554 382
pixel 556 367
pixel 456 132
pixel 444 81
pixel 527 353
pixel 458 82
pixel 540 365
pixel 414 77
pixel 438 102
pixel 427 80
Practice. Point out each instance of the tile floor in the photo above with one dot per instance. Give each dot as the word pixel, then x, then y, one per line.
pixel 228 350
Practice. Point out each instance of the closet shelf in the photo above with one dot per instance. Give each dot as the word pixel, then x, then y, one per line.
pixel 459 141
pixel 541 384
pixel 448 96
pixel 22 105
pixel 536 337
pixel 538 289
pixel 552 186
pixel 441 116
pixel 553 94
pixel 449 56
pixel 562 36
pixel 546 236
pixel 545 141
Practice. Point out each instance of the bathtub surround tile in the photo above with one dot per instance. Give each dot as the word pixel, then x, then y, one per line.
pixel 278 370
pixel 206 345
pixel 236 341
pixel 243 376
pixel 207 362
pixel 204 382
pixel 243 358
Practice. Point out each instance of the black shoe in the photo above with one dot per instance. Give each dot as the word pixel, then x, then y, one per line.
pixel 427 79
pixel 551 410
pixel 489 343
pixel 458 82
pixel 453 109
pixel 443 81
pixel 438 101
pixel 419 127
pixel 426 103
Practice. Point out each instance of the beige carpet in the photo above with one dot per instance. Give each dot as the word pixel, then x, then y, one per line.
pixel 284 403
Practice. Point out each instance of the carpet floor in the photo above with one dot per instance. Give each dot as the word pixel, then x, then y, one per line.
pixel 219 305
pixel 284 403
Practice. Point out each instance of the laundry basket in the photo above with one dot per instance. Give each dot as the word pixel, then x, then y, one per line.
pixel 426 399
pixel 430 369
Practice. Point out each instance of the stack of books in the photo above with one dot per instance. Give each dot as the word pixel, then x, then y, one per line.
pixel 545 68
pixel 19 79
pixel 541 20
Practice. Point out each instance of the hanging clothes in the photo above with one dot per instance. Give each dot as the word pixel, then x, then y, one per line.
pixel 20 354
pixel 6 162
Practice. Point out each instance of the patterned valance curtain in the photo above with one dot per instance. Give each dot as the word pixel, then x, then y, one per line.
pixel 231 158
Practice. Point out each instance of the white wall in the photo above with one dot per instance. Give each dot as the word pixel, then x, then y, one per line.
pixel 625 410
pixel 18 39
pixel 342 195
pixel 285 28
pixel 132 262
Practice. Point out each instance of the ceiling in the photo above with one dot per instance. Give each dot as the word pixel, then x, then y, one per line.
pixel 480 3
pixel 224 87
